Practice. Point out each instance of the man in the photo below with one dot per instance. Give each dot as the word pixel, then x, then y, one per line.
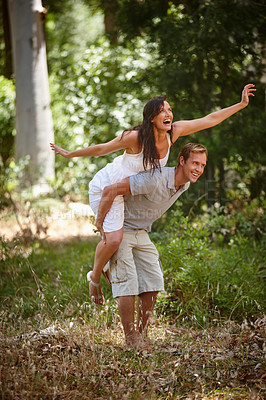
pixel 135 267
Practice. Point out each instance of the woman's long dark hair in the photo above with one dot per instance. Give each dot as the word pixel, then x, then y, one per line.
pixel 146 135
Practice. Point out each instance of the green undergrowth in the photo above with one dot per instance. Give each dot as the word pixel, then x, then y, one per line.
pixel 46 280
pixel 209 276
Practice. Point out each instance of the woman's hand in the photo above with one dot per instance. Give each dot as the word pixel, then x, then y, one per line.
pixel 59 150
pixel 247 91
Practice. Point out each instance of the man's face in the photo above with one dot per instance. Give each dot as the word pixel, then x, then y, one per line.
pixel 163 120
pixel 194 166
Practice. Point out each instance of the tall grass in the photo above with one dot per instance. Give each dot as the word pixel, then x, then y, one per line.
pixel 47 281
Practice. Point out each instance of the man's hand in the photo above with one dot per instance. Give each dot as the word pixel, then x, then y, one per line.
pixel 59 150
pixel 109 193
pixel 99 226
pixel 247 91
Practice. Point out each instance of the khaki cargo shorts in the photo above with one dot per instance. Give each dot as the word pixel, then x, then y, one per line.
pixel 135 267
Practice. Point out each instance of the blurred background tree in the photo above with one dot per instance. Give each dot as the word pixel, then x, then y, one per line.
pixel 106 59
pixel 25 55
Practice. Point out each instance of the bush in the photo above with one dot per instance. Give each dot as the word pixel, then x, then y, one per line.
pixel 247 220
pixel 7 118
pixel 206 281
pixel 10 175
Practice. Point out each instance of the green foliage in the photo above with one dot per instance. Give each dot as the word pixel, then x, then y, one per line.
pixel 7 118
pixel 10 177
pixel 71 29
pixel 224 224
pixel 200 45
pixel 199 53
pixel 100 102
pixel 203 280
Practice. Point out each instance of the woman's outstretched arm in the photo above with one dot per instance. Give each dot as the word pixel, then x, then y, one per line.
pixel 183 128
pixel 127 141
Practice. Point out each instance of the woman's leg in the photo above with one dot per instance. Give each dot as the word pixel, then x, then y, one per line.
pixel 103 253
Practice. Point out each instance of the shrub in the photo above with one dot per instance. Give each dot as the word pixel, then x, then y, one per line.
pixel 7 118
pixel 223 223
pixel 206 281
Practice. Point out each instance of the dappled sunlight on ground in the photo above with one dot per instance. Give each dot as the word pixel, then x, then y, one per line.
pixel 64 222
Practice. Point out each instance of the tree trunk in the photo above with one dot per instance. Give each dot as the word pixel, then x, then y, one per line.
pixel 110 11
pixel 8 67
pixel 33 115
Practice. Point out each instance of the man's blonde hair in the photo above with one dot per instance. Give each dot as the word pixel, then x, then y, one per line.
pixel 192 148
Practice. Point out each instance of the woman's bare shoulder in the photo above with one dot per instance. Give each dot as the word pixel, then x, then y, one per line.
pixel 131 139
pixel 131 133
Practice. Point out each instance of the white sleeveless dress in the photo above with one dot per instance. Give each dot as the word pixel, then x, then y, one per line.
pixel 122 167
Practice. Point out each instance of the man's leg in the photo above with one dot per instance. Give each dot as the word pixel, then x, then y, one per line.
pixel 146 303
pixel 126 307
pixel 125 286
pixel 150 277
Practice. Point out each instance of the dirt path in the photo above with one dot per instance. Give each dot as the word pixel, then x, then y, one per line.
pixel 59 225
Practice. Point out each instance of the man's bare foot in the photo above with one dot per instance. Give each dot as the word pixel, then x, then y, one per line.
pixel 95 290
pixel 135 341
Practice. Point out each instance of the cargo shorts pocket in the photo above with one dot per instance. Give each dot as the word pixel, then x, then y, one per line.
pixel 118 270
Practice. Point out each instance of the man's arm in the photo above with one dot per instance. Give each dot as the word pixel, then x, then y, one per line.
pixel 183 128
pixel 109 194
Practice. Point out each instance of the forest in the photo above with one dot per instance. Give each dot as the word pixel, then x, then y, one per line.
pixel 103 60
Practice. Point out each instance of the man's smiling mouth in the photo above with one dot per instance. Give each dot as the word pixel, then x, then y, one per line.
pixel 195 174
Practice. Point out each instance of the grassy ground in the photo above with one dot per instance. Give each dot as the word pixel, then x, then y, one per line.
pixel 55 344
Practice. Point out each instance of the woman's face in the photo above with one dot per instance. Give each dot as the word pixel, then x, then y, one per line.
pixel 163 120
